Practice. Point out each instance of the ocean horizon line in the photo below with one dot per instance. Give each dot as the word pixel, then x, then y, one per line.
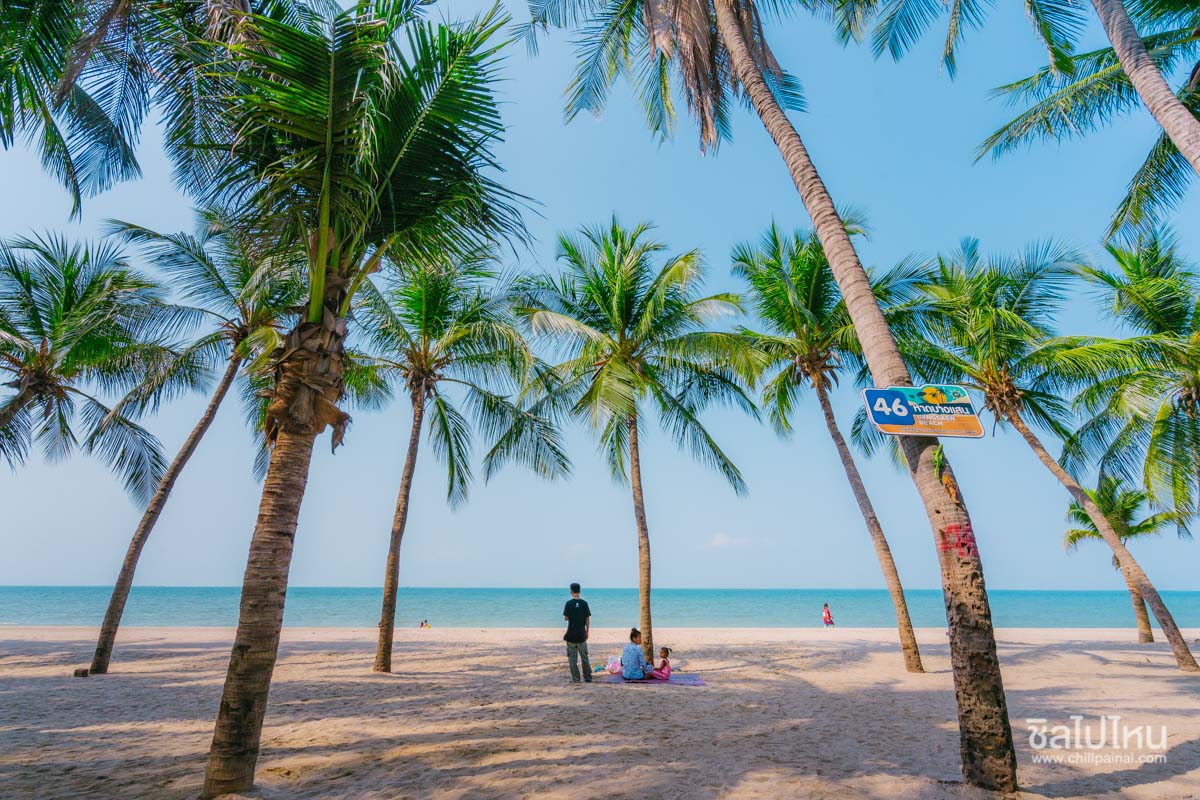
pixel 586 589
pixel 542 607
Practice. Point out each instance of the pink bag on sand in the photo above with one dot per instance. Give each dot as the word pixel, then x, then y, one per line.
pixel 614 665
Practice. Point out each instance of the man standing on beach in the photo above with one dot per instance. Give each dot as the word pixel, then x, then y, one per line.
pixel 579 623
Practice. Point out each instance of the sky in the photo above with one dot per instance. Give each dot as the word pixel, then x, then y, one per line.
pixel 896 140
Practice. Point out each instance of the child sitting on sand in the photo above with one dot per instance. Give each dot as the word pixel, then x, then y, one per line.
pixel 663 673
pixel 633 663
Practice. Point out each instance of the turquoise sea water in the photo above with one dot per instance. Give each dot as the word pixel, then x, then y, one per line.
pixel 615 608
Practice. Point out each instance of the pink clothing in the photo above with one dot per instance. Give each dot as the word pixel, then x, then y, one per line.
pixel 827 617
pixel 663 672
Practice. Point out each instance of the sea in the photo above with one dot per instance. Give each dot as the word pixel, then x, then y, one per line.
pixel 308 606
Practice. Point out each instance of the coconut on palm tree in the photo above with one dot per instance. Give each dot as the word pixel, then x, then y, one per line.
pixel 809 341
pixel 636 343
pixel 364 137
pixel 991 329
pixel 246 294
pixel 445 331
pixel 716 51
pixel 77 323
pixel 1121 506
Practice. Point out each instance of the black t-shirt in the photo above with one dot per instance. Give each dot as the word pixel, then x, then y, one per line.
pixel 577 613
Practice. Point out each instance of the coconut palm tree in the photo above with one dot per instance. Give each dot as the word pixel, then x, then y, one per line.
pixel 246 293
pixel 810 341
pixel 1121 506
pixel 443 328
pixel 364 136
pixel 1091 94
pixel 1143 420
pixel 635 338
pixel 1059 23
pixel 76 320
pixel 991 329
pixel 714 51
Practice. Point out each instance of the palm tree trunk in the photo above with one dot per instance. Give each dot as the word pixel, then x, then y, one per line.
pixel 1145 632
pixel 1176 120
pixel 18 401
pixel 985 736
pixel 116 603
pixel 908 640
pixel 1133 570
pixel 308 384
pixel 643 534
pixel 391 579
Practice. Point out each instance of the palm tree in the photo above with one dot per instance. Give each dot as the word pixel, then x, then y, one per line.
pixel 1095 91
pixel 74 318
pixel 1120 505
pixel 443 327
pixel 715 50
pixel 633 335
pixel 365 136
pixel 1143 420
pixel 991 329
pixel 246 293
pixel 810 341
pixel 1059 24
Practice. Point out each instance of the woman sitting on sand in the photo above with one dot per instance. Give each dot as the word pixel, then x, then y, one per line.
pixel 633 663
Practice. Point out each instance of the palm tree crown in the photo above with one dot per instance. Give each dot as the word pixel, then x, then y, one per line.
pixel 1144 417
pixel 1121 505
pixel 991 322
pixel 443 329
pixel 634 333
pixel 809 337
pixel 75 318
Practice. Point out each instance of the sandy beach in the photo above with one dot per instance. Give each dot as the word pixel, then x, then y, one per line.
pixel 491 714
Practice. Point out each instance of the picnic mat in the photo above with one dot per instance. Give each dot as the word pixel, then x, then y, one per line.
pixel 674 680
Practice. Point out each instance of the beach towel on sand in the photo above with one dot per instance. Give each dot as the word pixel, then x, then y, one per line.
pixel 675 680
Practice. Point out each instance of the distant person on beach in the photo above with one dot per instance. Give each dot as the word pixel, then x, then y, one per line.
pixel 827 616
pixel 633 662
pixel 579 623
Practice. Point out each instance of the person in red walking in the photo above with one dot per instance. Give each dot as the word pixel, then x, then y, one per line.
pixel 827 616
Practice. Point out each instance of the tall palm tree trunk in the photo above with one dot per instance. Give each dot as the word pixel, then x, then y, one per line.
pixel 120 595
pixel 391 579
pixel 18 401
pixel 643 534
pixel 1176 120
pixel 1133 570
pixel 308 385
pixel 1145 632
pixel 985 737
pixel 908 640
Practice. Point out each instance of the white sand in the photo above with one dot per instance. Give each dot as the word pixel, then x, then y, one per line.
pixel 490 714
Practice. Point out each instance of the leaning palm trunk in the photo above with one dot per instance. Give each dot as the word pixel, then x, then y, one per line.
pixel 391 580
pixel 116 603
pixel 1145 632
pixel 908 640
pixel 643 534
pixel 308 385
pixel 1180 125
pixel 988 758
pixel 1133 570
pixel 13 407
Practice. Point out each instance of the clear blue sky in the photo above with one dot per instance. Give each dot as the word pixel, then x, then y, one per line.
pixel 896 140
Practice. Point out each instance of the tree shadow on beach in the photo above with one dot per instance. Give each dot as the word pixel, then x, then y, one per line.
pixel 484 720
